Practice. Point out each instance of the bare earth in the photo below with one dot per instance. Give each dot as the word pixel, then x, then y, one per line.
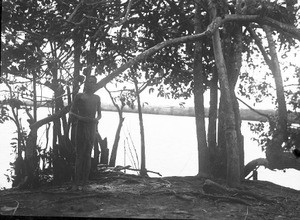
pixel 117 195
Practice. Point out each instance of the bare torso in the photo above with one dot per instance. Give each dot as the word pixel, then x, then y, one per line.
pixel 86 106
pixel 84 109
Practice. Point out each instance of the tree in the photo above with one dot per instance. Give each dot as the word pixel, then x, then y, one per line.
pixel 108 38
pixel 125 98
pixel 199 88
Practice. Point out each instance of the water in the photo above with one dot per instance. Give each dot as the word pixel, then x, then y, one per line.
pixel 171 146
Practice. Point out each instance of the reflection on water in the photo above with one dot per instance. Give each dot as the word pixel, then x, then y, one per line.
pixel 171 146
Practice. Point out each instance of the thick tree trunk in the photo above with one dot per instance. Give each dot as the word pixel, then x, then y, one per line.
pixel 233 162
pixel 234 65
pixel 203 153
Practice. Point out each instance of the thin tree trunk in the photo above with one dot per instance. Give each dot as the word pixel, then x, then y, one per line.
pixel 203 154
pixel 77 66
pixel 275 68
pixel 277 158
pixel 143 171
pixel 113 156
pixel 213 112
pixel 34 97
pixel 220 167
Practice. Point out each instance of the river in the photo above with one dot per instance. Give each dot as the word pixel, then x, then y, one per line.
pixel 171 146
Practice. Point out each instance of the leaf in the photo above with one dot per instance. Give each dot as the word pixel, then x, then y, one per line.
pixel 151 90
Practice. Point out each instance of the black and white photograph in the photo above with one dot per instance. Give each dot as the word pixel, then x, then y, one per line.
pixel 150 109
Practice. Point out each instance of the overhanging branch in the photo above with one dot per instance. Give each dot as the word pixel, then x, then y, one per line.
pixel 216 23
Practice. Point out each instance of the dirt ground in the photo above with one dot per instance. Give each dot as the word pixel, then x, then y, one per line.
pixel 117 195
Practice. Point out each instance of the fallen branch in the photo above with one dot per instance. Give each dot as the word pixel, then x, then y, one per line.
pixel 118 168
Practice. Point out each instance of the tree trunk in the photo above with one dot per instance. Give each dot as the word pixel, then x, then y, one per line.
pixel 275 68
pixel 104 151
pixel 233 162
pixel 215 156
pixel 76 75
pixel 58 105
pixel 113 156
pixel 203 156
pixel 277 158
pixel 77 66
pixel 220 166
pixel 213 112
pixel 31 161
pixel 234 64
pixel 143 171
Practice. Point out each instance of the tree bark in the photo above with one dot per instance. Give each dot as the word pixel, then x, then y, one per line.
pixel 217 151
pixel 143 171
pixel 275 68
pixel 77 66
pixel 275 154
pixel 233 162
pixel 198 75
pixel 220 166
pixel 113 156
pixel 213 113
pixel 234 63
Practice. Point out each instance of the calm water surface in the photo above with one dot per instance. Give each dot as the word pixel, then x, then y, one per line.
pixel 171 146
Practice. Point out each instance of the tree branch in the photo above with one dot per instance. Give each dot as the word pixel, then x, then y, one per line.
pixel 215 24
pixel 252 109
pixel 259 44
pixel 295 32
pixel 50 118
